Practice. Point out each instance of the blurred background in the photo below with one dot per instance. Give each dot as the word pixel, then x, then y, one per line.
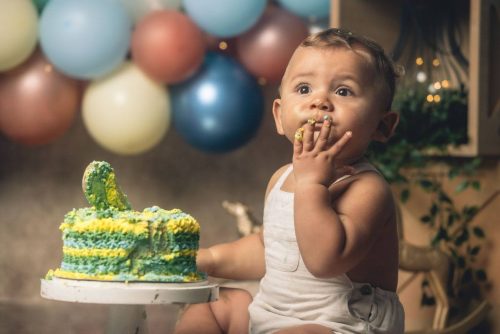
pixel 177 96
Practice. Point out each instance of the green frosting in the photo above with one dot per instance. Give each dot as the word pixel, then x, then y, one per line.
pixel 100 187
pixel 113 242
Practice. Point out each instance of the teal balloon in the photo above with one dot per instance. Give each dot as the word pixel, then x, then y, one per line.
pixel 40 4
pixel 85 39
pixel 224 18
pixel 310 9
pixel 220 108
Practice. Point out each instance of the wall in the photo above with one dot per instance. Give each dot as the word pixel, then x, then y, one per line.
pixel 39 185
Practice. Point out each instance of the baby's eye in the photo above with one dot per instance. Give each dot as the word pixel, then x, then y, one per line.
pixel 343 92
pixel 303 89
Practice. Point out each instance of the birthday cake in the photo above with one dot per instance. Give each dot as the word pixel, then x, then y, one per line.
pixel 111 242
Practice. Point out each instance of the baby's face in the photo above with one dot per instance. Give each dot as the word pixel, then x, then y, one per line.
pixel 337 82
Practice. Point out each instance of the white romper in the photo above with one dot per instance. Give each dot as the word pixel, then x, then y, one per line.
pixel 289 295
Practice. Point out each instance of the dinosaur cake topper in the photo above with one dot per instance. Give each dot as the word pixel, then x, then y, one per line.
pixel 101 189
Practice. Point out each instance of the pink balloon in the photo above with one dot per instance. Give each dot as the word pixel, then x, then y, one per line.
pixel 168 46
pixel 37 103
pixel 266 48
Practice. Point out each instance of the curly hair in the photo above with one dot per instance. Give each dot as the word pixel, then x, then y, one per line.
pixel 384 66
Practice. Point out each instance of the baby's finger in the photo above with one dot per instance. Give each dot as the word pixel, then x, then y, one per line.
pixel 309 135
pixel 340 144
pixel 297 143
pixel 324 134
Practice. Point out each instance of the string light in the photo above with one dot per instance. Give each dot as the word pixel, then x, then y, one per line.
pixel 421 76
pixel 436 62
pixel 223 45
pixel 437 98
pixel 419 61
pixel 445 83
pixel 430 98
pixel 437 85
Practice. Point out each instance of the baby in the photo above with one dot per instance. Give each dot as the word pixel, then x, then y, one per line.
pixel 328 254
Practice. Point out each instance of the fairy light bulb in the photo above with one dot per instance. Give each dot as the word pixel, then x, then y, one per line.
pixel 436 62
pixel 437 98
pixel 431 89
pixel 421 76
pixel 430 98
pixel 223 45
pixel 419 61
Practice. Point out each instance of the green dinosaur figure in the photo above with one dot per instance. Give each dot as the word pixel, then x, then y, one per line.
pixel 100 187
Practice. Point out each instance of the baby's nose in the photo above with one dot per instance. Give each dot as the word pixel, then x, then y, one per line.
pixel 322 104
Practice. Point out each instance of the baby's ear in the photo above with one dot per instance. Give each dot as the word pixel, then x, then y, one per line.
pixel 386 127
pixel 277 116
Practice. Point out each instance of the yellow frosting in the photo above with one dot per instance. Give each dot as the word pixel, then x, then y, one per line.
pixel 117 252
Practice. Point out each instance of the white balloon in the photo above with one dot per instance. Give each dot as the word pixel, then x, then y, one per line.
pixel 137 9
pixel 126 112
pixel 18 32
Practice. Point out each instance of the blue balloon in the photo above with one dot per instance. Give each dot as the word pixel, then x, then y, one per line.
pixel 85 39
pixel 220 108
pixel 224 18
pixel 310 9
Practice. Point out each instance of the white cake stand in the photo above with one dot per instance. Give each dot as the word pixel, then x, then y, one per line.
pixel 127 300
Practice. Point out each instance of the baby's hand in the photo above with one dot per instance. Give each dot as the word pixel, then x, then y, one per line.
pixel 315 162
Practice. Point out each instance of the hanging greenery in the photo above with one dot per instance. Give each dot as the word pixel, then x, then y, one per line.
pixel 427 130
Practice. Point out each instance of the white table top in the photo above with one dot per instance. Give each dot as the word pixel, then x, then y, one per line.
pixel 135 293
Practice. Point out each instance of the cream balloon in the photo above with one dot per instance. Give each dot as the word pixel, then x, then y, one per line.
pixel 126 112
pixel 137 9
pixel 18 32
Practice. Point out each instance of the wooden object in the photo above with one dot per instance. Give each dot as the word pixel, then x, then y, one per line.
pixel 380 21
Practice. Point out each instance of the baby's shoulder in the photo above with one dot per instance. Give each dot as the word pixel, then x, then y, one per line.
pixel 276 176
pixel 363 188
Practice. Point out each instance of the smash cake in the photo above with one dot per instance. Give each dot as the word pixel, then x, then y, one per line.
pixel 111 242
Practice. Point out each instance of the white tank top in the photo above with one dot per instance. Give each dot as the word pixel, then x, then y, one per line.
pixel 289 294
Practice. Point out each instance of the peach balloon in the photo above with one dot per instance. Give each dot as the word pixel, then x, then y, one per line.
pixel 37 103
pixel 168 46
pixel 266 49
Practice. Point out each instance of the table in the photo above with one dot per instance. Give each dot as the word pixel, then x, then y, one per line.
pixel 127 300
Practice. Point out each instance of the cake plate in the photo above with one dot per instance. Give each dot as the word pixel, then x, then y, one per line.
pixel 127 300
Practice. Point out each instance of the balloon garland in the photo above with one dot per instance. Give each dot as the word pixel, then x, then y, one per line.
pixel 144 62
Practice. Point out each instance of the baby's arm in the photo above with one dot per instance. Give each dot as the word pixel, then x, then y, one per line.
pixel 334 239
pixel 240 259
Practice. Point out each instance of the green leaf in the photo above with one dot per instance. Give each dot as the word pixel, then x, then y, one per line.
pixel 451 220
pixel 427 185
pixel 444 198
pixel 474 250
pixel 453 173
pixel 463 237
pixel 434 209
pixel 478 232
pixel 469 211
pixel 461 262
pixel 476 185
pixel 467 276
pixel 462 186
pixel 426 219
pixel 481 275
pixel 405 195
pixel 427 300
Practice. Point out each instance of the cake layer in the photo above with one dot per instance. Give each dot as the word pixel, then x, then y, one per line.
pixel 152 245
